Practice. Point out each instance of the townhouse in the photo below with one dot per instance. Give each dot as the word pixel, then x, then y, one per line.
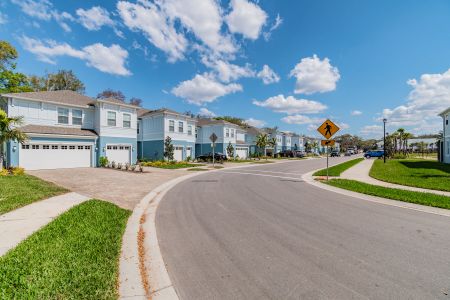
pixel 155 126
pixel 68 130
pixel 297 142
pixel 445 142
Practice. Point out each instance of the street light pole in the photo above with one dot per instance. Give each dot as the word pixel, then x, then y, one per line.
pixel 384 139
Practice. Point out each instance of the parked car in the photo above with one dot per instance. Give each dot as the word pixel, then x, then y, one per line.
pixel 348 153
pixel 335 154
pixel 375 153
pixel 300 154
pixel 285 153
pixel 208 157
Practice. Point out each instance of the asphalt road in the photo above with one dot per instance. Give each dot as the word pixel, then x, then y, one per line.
pixel 262 233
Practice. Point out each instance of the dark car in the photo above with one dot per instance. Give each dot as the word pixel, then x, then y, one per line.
pixel 335 154
pixel 376 153
pixel 209 157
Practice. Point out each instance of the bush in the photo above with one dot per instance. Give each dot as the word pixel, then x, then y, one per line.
pixel 17 171
pixel 399 156
pixel 188 159
pixel 103 161
pixel 4 172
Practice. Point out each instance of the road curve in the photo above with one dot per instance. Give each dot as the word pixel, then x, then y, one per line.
pixel 262 233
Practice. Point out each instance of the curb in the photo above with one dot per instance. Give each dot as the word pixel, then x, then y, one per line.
pixel 307 177
pixel 130 280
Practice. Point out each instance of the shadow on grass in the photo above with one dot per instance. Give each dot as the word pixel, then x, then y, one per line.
pixel 427 165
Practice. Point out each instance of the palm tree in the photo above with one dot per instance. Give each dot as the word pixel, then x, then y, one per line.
pixel 273 144
pixel 406 137
pixel 262 141
pixel 10 132
pixel 401 134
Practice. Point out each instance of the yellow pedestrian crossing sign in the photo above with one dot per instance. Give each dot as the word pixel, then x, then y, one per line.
pixel 328 129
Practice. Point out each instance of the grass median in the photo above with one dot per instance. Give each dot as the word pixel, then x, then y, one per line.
pixel 390 193
pixel 75 256
pixel 21 190
pixel 413 172
pixel 338 169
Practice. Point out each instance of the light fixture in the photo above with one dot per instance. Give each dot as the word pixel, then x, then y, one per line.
pixel 14 148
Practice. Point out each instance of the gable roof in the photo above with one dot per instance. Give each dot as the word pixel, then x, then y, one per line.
pixel 207 121
pixel 39 129
pixel 64 97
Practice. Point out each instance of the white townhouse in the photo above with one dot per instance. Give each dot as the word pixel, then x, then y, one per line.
pixel 155 125
pixel 226 133
pixel 286 143
pixel 297 142
pixel 445 143
pixel 68 130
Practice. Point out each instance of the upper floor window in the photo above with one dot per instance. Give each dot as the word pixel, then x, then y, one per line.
pixel 227 132
pixel 189 129
pixel 126 120
pixel 111 118
pixel 77 116
pixel 171 125
pixel 180 127
pixel 63 115
pixel 232 133
pixel 137 126
pixel 196 132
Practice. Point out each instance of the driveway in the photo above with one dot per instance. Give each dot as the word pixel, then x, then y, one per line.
pixel 123 188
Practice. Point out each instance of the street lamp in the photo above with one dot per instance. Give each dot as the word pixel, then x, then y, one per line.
pixel 384 139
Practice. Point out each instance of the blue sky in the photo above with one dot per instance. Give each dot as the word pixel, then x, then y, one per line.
pixel 289 64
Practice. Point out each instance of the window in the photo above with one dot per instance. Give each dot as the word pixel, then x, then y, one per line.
pixel 87 147
pixel 109 147
pixel 196 132
pixel 190 130
pixel 34 146
pixel 64 147
pixel 127 147
pixel 63 115
pixel 55 147
pixel 227 132
pixel 232 133
pixel 25 146
pixel 45 147
pixel 137 126
pixel 77 116
pixel 111 118
pixel 72 147
pixel 171 125
pixel 80 147
pixel 126 121
pixel 180 127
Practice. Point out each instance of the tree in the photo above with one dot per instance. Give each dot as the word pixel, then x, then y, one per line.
pixel 136 101
pixel 168 149
pixel 261 142
pixel 63 80
pixel 234 120
pixel 109 93
pixel 230 150
pixel 10 80
pixel 9 131
pixel 272 143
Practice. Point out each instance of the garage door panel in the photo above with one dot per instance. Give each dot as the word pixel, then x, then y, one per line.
pixel 48 156
pixel 242 152
pixel 178 153
pixel 118 153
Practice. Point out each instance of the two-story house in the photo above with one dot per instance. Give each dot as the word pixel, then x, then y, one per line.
pixel 251 136
pixel 67 130
pixel 156 125
pixel 297 142
pixel 445 142
pixel 226 133
pixel 286 141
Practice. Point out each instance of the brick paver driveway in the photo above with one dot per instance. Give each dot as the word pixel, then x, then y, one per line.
pixel 123 188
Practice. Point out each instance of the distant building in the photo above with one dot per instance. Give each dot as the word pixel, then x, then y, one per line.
pixel 445 143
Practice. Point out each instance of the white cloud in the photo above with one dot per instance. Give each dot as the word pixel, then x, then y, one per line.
pixel 110 60
pixel 291 105
pixel 276 24
pixel 429 96
pixel 314 75
pixel 268 75
pixel 300 120
pixel 203 89
pixel 204 112
pixel 356 113
pixel 226 71
pixel 3 18
pixel 155 25
pixel 43 10
pixel 246 18
pixel 203 18
pixel 372 130
pixel 342 126
pixel 255 122
pixel 94 18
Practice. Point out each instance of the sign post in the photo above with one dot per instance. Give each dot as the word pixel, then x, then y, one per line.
pixel 328 129
pixel 213 138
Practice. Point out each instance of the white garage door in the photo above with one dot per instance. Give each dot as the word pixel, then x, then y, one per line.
pixel 178 153
pixel 242 152
pixel 118 153
pixel 53 156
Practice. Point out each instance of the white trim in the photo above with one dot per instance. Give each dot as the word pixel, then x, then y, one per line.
pixel 46 101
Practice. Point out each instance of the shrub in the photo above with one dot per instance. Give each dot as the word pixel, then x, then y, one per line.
pixel 188 159
pixel 103 161
pixel 113 164
pixel 141 168
pixel 4 172
pixel 133 168
pixel 127 166
pixel 119 166
pixel 399 156
pixel 17 171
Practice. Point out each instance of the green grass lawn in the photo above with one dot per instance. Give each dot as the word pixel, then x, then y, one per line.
pixel 74 257
pixel 20 190
pixel 395 194
pixel 413 172
pixel 338 169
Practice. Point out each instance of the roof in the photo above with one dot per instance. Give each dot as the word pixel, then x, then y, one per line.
pixel 116 101
pixel 144 112
pixel 206 121
pixel 252 130
pixel 444 112
pixel 64 96
pixel 39 129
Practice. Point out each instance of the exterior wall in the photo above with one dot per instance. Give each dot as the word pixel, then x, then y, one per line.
pixel 176 134
pixel 12 157
pixel 152 128
pixel 117 131
pixel 205 132
pixel 201 149
pixel 153 150
pixel 46 114
pixel 286 142
pixel 108 140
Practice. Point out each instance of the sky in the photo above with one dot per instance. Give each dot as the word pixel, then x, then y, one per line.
pixel 290 64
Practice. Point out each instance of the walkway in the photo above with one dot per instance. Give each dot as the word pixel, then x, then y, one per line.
pixel 18 224
pixel 360 172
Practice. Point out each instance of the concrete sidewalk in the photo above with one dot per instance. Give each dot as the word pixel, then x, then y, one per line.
pixel 18 224
pixel 360 172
